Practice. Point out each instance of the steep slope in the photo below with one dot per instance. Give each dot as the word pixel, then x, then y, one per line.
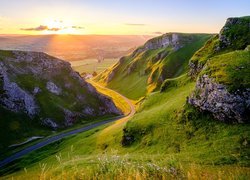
pixel 40 92
pixel 235 35
pixel 183 116
pixel 147 67
pixel 222 68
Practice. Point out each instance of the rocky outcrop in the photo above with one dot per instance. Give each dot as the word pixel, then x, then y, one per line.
pixel 53 88
pixel 225 106
pixel 235 33
pixel 47 89
pixel 15 98
pixel 169 39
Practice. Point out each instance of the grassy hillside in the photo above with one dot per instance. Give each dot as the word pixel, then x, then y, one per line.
pixel 29 73
pixel 170 140
pixel 235 35
pixel 143 72
pixel 230 69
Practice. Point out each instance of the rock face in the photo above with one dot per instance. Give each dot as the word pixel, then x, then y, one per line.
pixel 174 40
pixel 151 59
pixel 48 90
pixel 14 98
pixel 225 49
pixel 235 33
pixel 169 39
pixel 214 98
pixel 53 88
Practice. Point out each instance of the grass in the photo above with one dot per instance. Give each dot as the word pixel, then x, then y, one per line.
pixel 165 139
pixel 91 65
pixel 236 35
pixel 116 98
pixel 151 67
pixel 171 141
pixel 16 127
pixel 230 69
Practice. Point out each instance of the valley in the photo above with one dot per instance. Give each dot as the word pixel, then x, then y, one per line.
pixel 185 98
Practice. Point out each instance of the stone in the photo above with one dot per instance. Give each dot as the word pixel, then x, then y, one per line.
pixel 50 123
pixel 51 87
pixel 15 98
pixel 225 106
pixel 36 90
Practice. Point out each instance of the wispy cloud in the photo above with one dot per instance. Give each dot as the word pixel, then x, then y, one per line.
pixel 46 28
pixel 135 24
pixel 41 28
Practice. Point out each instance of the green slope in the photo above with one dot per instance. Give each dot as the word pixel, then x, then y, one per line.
pixel 143 72
pixel 170 141
pixel 23 69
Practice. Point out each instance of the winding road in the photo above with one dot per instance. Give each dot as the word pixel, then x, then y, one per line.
pixel 69 133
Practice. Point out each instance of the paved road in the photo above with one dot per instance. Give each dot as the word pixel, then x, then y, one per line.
pixel 66 134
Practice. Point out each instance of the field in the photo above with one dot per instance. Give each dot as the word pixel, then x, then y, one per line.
pixel 91 65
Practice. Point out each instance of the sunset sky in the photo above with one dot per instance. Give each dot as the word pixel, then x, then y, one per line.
pixel 117 16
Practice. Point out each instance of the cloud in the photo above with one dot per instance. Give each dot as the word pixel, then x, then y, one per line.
pixel 77 27
pixel 134 24
pixel 54 29
pixel 41 28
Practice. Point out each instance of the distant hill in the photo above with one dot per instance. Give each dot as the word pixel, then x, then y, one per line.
pixel 74 47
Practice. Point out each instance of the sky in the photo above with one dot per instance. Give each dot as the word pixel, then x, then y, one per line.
pixel 117 17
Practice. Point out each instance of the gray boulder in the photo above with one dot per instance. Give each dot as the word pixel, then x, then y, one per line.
pixel 215 98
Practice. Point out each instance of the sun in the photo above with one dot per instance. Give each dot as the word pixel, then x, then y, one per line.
pixel 55 24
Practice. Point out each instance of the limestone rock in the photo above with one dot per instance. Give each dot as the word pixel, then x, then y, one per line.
pixel 225 106
pixel 15 98
pixel 53 88
pixel 27 77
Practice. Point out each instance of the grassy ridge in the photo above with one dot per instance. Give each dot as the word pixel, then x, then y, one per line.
pixel 137 75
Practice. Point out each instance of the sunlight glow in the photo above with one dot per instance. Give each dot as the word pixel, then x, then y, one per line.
pixel 61 27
